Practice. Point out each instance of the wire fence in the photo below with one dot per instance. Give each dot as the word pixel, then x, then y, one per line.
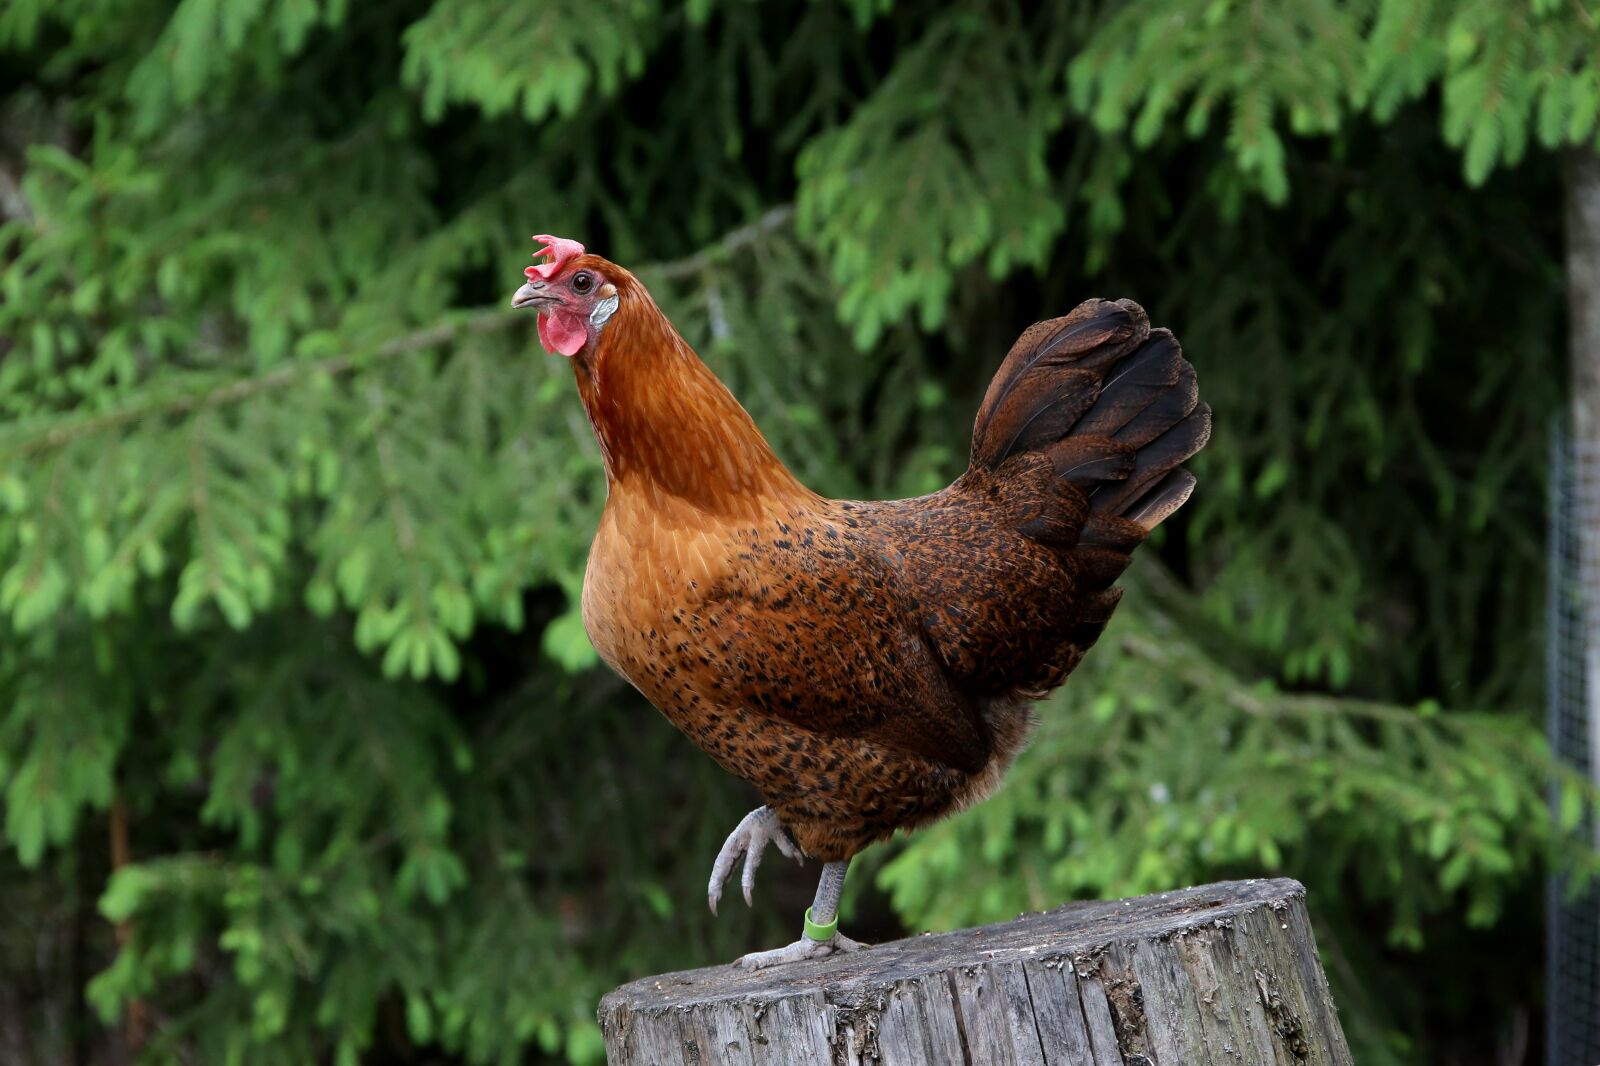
pixel 1572 1021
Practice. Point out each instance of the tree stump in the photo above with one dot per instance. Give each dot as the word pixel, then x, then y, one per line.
pixel 1224 974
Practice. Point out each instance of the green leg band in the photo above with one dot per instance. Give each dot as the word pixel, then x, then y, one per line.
pixel 820 933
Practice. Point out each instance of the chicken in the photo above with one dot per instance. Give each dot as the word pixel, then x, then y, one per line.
pixel 867 666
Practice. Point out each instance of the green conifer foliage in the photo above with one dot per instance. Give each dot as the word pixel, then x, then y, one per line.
pixel 293 511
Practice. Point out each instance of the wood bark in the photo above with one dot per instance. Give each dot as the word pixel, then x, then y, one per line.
pixel 1583 302
pixel 1220 974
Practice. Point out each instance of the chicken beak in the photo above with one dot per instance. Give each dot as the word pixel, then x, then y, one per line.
pixel 531 294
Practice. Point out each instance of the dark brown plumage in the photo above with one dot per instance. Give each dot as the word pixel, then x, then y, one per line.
pixel 868 666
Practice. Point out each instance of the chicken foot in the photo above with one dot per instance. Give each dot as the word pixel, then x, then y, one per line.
pixel 823 913
pixel 749 838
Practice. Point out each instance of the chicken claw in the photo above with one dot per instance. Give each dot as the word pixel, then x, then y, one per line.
pixel 749 838
pixel 799 951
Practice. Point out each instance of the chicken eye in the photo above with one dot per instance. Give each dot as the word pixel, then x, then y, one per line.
pixel 582 282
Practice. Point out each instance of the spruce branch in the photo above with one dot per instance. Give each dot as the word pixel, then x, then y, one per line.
pixel 733 241
pixel 211 395
pixel 1181 662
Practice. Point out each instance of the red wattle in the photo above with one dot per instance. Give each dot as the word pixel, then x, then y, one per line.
pixel 562 331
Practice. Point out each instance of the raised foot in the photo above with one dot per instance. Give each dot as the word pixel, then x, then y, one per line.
pixel 749 838
pixel 799 951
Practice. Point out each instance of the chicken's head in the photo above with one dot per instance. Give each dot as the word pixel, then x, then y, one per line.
pixel 572 294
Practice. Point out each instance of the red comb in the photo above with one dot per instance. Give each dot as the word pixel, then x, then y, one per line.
pixel 561 252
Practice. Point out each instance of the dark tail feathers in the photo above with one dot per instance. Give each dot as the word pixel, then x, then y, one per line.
pixel 1115 406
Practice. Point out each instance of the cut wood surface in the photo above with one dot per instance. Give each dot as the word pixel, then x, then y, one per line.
pixel 1220 974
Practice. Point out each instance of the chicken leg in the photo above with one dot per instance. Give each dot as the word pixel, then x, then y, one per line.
pixel 823 914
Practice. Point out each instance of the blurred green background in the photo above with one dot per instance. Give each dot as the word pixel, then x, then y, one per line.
pixel 304 755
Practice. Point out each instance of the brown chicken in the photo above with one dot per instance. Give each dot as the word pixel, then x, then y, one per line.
pixel 867 666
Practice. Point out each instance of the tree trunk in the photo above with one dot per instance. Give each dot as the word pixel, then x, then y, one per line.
pixel 1572 976
pixel 1583 297
pixel 1225 974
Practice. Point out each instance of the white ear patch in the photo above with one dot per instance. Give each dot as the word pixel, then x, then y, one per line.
pixel 603 310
